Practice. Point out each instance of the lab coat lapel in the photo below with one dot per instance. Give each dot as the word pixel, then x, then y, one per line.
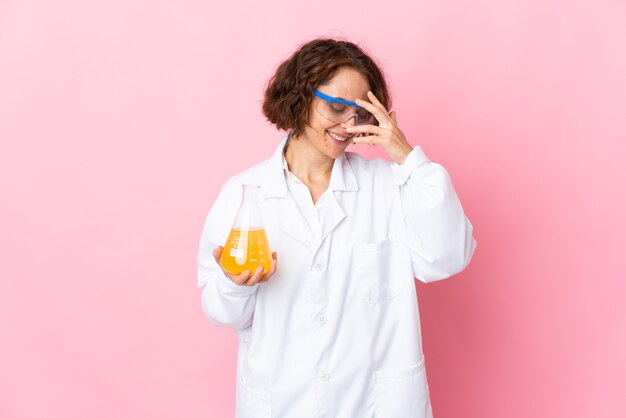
pixel 294 224
pixel 273 185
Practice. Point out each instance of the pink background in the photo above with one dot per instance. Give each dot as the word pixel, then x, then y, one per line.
pixel 120 120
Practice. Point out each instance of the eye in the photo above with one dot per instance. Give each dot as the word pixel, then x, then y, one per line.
pixel 338 108
pixel 363 114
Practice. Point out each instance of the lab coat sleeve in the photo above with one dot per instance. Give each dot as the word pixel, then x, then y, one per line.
pixel 439 235
pixel 224 302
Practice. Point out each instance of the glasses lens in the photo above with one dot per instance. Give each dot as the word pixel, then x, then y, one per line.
pixel 340 112
pixel 364 117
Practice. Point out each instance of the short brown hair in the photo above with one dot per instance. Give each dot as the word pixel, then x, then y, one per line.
pixel 289 92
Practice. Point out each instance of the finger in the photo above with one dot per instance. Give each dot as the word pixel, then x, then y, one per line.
pixel 380 114
pixel 255 276
pixel 272 267
pixel 368 139
pixel 393 116
pixel 265 277
pixel 373 136
pixel 217 252
pixel 375 100
pixel 240 279
pixel 375 103
pixel 366 129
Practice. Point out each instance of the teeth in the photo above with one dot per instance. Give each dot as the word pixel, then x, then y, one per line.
pixel 337 137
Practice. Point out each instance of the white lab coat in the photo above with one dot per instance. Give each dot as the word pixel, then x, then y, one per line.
pixel 336 331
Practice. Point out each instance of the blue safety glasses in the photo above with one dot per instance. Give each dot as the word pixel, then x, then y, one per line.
pixel 340 110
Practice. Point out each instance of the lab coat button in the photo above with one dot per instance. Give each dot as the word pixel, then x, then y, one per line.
pixel 321 319
pixel 324 376
pixel 319 266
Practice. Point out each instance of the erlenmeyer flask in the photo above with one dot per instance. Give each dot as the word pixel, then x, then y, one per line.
pixel 247 246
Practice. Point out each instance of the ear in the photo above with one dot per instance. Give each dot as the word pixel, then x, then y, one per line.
pixel 393 116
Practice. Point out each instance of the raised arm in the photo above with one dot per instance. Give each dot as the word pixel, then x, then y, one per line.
pixel 439 234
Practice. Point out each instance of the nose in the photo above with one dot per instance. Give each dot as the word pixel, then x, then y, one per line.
pixel 351 121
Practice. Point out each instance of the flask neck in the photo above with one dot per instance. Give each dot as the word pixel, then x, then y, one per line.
pixel 249 214
pixel 250 193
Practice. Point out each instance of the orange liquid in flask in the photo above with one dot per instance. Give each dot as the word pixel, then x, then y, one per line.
pixel 246 250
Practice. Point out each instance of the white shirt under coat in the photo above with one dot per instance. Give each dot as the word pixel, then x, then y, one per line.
pixel 302 195
pixel 336 331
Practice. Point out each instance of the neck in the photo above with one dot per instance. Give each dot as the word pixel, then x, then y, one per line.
pixel 306 162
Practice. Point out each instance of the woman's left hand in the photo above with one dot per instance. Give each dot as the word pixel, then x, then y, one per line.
pixel 386 134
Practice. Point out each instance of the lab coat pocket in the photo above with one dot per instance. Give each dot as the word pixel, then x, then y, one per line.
pixel 402 393
pixel 252 403
pixel 378 269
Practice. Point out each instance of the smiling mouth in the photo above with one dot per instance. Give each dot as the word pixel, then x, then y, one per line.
pixel 340 138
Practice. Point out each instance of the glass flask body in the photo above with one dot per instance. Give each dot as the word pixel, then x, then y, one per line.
pixel 247 246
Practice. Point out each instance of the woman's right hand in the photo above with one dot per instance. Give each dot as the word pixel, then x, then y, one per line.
pixel 244 279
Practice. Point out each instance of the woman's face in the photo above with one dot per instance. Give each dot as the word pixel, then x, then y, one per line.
pixel 348 84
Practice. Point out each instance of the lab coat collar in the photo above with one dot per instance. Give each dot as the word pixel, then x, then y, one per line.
pixel 273 184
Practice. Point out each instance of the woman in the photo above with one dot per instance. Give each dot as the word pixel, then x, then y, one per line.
pixel 335 331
